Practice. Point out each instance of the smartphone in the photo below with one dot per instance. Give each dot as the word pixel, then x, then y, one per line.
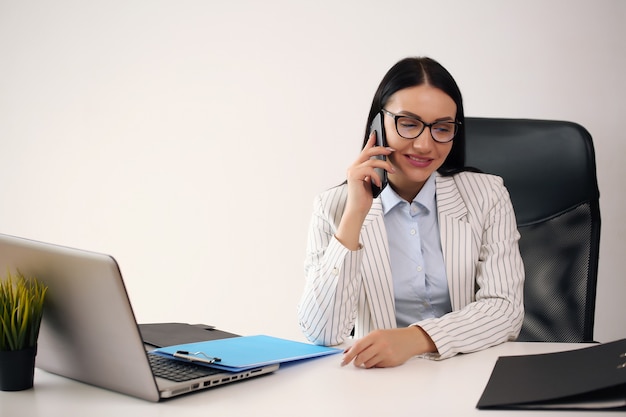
pixel 378 127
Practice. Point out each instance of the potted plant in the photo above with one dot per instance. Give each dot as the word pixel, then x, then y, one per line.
pixel 21 310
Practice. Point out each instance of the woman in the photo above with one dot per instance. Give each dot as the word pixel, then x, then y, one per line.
pixel 430 267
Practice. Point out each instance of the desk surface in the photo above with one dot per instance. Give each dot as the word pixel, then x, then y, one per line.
pixel 318 387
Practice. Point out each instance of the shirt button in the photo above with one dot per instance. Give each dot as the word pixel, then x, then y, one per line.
pixel 335 271
pixel 419 268
pixel 413 232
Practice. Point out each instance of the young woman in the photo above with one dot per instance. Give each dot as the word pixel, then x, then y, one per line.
pixel 430 267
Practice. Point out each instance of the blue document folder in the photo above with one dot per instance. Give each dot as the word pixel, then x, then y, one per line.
pixel 245 352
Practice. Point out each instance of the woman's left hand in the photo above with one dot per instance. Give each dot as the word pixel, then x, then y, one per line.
pixel 388 348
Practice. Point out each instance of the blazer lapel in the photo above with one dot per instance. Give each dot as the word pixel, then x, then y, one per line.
pixel 456 241
pixel 376 270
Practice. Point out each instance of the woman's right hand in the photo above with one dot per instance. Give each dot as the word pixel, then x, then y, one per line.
pixel 360 175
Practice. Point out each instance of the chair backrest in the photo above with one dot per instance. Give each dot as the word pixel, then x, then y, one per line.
pixel 549 169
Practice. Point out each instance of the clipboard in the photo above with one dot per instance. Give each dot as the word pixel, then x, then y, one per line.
pixel 583 379
pixel 245 352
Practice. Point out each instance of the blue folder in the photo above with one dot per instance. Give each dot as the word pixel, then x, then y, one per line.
pixel 245 352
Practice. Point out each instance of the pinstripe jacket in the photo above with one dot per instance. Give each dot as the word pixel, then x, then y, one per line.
pixel 353 289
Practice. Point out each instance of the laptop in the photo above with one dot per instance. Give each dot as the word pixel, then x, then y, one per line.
pixel 89 332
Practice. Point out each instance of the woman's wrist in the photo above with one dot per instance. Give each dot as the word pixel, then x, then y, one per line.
pixel 349 232
pixel 424 344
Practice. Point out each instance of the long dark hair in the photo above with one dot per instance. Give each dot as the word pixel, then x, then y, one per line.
pixel 411 72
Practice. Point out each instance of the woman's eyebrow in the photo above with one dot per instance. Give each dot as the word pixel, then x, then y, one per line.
pixel 415 116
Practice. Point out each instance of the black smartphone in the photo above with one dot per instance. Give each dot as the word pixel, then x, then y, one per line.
pixel 378 127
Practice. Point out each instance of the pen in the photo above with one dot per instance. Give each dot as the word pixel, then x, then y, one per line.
pixel 196 357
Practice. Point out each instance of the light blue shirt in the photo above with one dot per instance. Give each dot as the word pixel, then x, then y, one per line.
pixel 418 269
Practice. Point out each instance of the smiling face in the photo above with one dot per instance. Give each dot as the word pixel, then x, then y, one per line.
pixel 416 159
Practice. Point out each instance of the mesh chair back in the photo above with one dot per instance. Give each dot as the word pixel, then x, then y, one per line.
pixel 549 169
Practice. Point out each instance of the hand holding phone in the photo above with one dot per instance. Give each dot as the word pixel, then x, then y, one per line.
pixel 378 127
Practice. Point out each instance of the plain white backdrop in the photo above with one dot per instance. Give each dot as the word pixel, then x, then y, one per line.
pixel 188 138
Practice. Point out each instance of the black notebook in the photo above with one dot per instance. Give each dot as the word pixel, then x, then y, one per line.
pixel 589 378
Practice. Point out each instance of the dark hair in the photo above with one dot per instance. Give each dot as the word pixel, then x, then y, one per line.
pixel 411 72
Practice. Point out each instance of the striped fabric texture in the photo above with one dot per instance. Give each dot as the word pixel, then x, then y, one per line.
pixel 353 289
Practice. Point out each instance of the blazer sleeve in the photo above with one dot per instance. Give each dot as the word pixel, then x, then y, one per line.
pixel 495 309
pixel 328 307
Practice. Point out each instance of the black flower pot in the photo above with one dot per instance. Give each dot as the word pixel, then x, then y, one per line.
pixel 17 369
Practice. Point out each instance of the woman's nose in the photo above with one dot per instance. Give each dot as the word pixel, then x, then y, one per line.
pixel 424 141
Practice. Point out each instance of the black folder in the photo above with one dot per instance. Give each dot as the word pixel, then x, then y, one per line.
pixel 167 334
pixel 589 378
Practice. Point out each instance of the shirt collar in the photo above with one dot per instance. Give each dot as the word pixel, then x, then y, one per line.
pixel 425 198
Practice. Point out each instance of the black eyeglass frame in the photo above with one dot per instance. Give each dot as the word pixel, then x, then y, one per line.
pixel 425 125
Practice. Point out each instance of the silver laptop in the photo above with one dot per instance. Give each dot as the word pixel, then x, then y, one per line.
pixel 89 332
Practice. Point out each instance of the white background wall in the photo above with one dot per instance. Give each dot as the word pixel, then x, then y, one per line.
pixel 188 138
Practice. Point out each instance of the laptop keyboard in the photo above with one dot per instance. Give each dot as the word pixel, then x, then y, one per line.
pixel 178 371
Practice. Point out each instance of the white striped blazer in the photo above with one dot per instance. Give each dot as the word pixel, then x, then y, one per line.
pixel 353 289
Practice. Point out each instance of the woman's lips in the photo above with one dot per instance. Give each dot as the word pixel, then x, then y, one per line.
pixel 417 161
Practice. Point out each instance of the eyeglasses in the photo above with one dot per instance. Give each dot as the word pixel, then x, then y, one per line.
pixel 410 128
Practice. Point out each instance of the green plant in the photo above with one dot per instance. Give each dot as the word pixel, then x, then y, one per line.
pixel 21 309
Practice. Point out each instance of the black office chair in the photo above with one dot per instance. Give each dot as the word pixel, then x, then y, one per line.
pixel 549 169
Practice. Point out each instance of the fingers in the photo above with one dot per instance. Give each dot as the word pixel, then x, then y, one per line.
pixel 387 348
pixel 365 359
pixel 347 357
pixel 371 149
pixel 363 168
pixel 371 157
pixel 362 354
pixel 371 141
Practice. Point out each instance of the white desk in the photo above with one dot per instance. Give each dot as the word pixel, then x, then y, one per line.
pixel 319 387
